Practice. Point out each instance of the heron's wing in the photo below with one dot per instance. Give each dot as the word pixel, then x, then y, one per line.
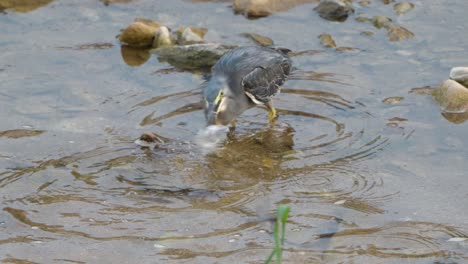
pixel 263 82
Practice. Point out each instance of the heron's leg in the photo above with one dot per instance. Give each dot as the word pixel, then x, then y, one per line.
pixel 232 127
pixel 271 111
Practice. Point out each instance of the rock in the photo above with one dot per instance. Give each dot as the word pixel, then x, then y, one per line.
pixel 452 97
pixel 397 119
pixel 460 74
pixel 149 140
pixel 393 100
pixel 327 41
pixel 259 39
pixel 398 33
pixel 364 3
pixel 148 22
pixel 403 7
pixel 191 57
pixel 138 34
pixel 262 8
pixel 19 133
pixel 134 56
pixel 388 1
pixel 426 90
pixel 190 35
pixel 367 33
pixel 362 19
pixel 333 10
pixel 24 5
pixel 381 21
pixel 162 38
pixel 347 49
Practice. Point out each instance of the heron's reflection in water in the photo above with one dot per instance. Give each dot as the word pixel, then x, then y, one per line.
pixel 253 153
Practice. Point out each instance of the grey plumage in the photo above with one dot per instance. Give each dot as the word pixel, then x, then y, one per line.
pixel 244 77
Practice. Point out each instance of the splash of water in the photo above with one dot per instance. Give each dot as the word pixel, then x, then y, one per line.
pixel 211 138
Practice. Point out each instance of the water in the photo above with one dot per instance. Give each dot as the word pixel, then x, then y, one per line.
pixel 367 182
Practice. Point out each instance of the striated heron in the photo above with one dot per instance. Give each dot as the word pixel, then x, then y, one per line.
pixel 242 78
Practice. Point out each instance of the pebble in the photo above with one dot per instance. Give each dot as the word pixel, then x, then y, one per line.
pixel 460 74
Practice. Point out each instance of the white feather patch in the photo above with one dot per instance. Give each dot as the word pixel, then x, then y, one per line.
pixel 253 98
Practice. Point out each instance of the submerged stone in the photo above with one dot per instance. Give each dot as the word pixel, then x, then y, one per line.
pixel 403 7
pixel 327 41
pixel 393 100
pixel 364 3
pixel 196 56
pixel 347 49
pixel 259 39
pixel 19 133
pixel 367 33
pixel 452 97
pixel 426 90
pixel 262 8
pixel 362 19
pixel 380 21
pixel 398 33
pixel 333 10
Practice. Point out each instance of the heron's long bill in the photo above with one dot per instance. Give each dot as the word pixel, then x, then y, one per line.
pixel 213 108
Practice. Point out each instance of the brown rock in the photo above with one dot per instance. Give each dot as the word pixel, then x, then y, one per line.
pixel 333 10
pixel 364 3
pixel 259 39
pixel 380 21
pixel 327 41
pixel 19 133
pixel 138 34
pixel 23 6
pixel 148 22
pixel 403 7
pixel 398 33
pixel 393 100
pixel 452 97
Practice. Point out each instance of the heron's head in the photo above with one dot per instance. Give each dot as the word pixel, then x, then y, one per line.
pixel 220 103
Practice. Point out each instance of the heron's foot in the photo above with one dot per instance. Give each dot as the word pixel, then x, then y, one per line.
pixel 272 116
pixel 232 128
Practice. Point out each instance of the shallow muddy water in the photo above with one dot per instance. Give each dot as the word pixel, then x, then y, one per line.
pixel 372 171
